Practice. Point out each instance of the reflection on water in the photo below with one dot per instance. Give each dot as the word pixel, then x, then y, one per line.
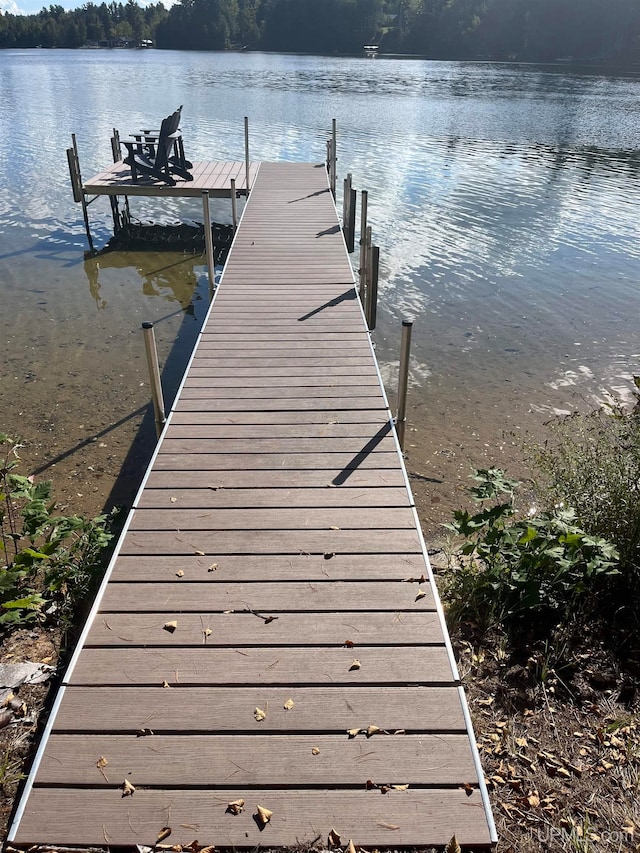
pixel 504 199
pixel 174 280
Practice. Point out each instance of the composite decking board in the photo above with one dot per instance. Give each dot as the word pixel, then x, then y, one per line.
pixel 228 709
pixel 273 518
pixel 401 818
pixel 252 498
pixel 277 531
pixel 289 418
pixel 278 461
pixel 239 432
pixel 140 542
pixel 282 666
pixel 317 597
pixel 247 629
pixel 354 445
pixel 285 760
pixel 271 567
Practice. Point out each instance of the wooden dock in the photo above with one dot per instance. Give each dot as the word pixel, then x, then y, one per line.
pixel 268 630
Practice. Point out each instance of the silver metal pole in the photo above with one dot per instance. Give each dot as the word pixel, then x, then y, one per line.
pixel 246 153
pixel 345 201
pixel 403 381
pixel 154 376
pixel 363 241
pixel 85 212
pixel 208 242
pixel 234 209
pixel 367 273
pixel 374 267
pixel 334 158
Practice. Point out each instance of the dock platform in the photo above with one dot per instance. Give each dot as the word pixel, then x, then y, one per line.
pixel 267 662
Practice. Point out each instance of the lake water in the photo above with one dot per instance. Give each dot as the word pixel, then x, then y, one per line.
pixel 505 200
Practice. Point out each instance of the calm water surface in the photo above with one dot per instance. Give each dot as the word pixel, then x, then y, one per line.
pixel 505 200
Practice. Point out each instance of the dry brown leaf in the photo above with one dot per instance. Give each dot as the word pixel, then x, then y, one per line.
pixel 165 684
pixel 400 732
pixel 199 553
pixel 315 750
pixel 420 594
pixel 207 632
pixel 400 787
pixel 522 742
pixel 329 555
pixel 385 825
pixel 209 849
pixel 348 644
pixel 235 807
pixel 351 847
pixel 127 788
pixel 453 846
pixel 212 567
pixel 288 705
pixel 165 832
pixel 533 800
pixel 370 785
pixel 170 626
pixel 180 573
pixel 259 714
pixel 334 528
pixel 334 839
pixel 353 732
pixel 373 730
pixel 355 664
pixel 143 733
pixel 101 762
pixel 468 788
pixel 263 816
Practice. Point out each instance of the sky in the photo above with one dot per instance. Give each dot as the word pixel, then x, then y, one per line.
pixel 30 7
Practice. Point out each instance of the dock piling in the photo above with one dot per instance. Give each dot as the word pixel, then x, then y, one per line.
pixel 363 242
pixel 154 377
pixel 76 183
pixel 234 208
pixel 208 242
pixel 403 381
pixel 246 152
pixel 373 265
pixel 333 169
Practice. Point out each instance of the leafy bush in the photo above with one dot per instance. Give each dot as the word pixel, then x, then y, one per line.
pixel 593 462
pixel 47 559
pixel 541 567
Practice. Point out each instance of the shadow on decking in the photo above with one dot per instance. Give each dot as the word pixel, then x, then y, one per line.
pixel 348 294
pixel 359 458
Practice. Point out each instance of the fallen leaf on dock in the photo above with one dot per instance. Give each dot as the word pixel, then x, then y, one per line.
pixel 420 594
pixel 259 714
pixel 263 816
pixel 334 839
pixel 199 553
pixel 173 500
pixel 355 664
pixel 212 567
pixel 179 573
pixel 400 787
pixel 144 733
pixel 351 847
pixel 235 807
pixel 207 632
pixel 170 626
pixel 453 846
pixel 288 705
pixel 165 832
pixel 388 825
pixel 127 788
pixel 348 644
pixel 328 555
pixel 165 684
pixel 315 750
pixel 373 730
pixel 101 762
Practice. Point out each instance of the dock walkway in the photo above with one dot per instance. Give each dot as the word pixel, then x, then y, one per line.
pixel 268 630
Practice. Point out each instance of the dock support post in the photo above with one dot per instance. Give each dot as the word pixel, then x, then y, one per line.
pixel 208 242
pixel 246 153
pixel 78 191
pixel 349 214
pixel 403 381
pixel 373 266
pixel 334 159
pixel 363 242
pixel 154 377
pixel 234 208
pixel 123 218
pixel 367 272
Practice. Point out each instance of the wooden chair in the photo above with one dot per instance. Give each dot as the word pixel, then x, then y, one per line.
pixel 159 154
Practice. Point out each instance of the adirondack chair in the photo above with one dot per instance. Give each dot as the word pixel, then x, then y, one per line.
pixel 159 154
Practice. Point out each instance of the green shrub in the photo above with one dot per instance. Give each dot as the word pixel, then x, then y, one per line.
pixel 536 570
pixel 593 462
pixel 48 561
